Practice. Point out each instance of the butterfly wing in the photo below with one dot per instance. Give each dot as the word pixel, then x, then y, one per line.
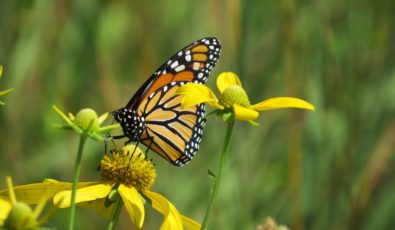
pixel 193 63
pixel 171 131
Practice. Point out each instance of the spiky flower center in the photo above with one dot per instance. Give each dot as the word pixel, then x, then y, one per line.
pixel 128 166
pixel 234 95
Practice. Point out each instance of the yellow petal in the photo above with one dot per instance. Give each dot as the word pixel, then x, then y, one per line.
pixel 133 203
pixel 86 194
pixel 32 193
pixel 197 93
pixel 190 224
pixel 283 102
pixel 100 207
pixel 172 217
pixel 5 208
pixel 245 114
pixel 227 79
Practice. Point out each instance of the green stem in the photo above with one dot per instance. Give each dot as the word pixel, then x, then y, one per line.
pixel 217 180
pixel 77 169
pixel 115 214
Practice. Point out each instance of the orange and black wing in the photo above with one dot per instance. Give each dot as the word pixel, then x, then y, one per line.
pixel 193 63
pixel 172 132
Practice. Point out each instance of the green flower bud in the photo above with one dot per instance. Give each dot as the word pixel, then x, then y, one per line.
pixel 21 217
pixel 87 119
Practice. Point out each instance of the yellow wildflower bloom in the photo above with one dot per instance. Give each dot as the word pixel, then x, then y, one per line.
pixel 126 174
pixel 234 98
pixel 129 175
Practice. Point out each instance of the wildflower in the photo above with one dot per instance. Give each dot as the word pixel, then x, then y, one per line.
pixel 127 176
pixel 5 92
pixel 86 122
pixel 234 100
pixel 270 224
pixel 19 215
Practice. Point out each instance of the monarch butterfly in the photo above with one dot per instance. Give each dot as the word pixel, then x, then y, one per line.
pixel 154 115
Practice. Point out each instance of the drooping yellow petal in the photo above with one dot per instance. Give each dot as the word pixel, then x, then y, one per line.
pixel 245 114
pixel 100 207
pixel 281 103
pixel 189 223
pixel 32 193
pixel 133 203
pixel 227 79
pixel 5 208
pixel 197 93
pixel 86 194
pixel 172 217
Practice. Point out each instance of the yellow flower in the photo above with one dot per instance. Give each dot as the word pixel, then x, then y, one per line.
pixel 126 175
pixel 18 214
pixel 86 122
pixel 5 92
pixel 234 99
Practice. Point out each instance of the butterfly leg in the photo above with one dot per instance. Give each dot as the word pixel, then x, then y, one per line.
pixel 131 155
pixel 149 146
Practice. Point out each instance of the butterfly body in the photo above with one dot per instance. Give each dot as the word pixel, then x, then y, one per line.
pixel 154 115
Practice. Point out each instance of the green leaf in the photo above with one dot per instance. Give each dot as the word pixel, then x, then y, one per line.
pixel 62 115
pixel 211 174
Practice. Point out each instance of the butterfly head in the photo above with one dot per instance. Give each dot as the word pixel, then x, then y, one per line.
pixel 132 124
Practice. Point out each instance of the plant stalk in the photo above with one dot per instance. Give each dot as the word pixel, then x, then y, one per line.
pixel 217 180
pixel 115 214
pixel 77 170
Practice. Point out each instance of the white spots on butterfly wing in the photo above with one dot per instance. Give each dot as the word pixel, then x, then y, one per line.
pixel 169 61
pixel 165 88
pixel 200 75
pixel 211 47
pixel 207 42
pixel 204 39
pixel 180 53
pixel 174 65
pixel 188 58
pixel 195 66
pixel 179 68
pixel 188 52
pixel 211 56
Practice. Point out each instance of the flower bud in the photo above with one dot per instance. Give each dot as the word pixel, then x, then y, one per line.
pixel 87 119
pixel 21 217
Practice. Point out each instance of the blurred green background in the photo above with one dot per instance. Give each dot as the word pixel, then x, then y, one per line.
pixel 329 169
